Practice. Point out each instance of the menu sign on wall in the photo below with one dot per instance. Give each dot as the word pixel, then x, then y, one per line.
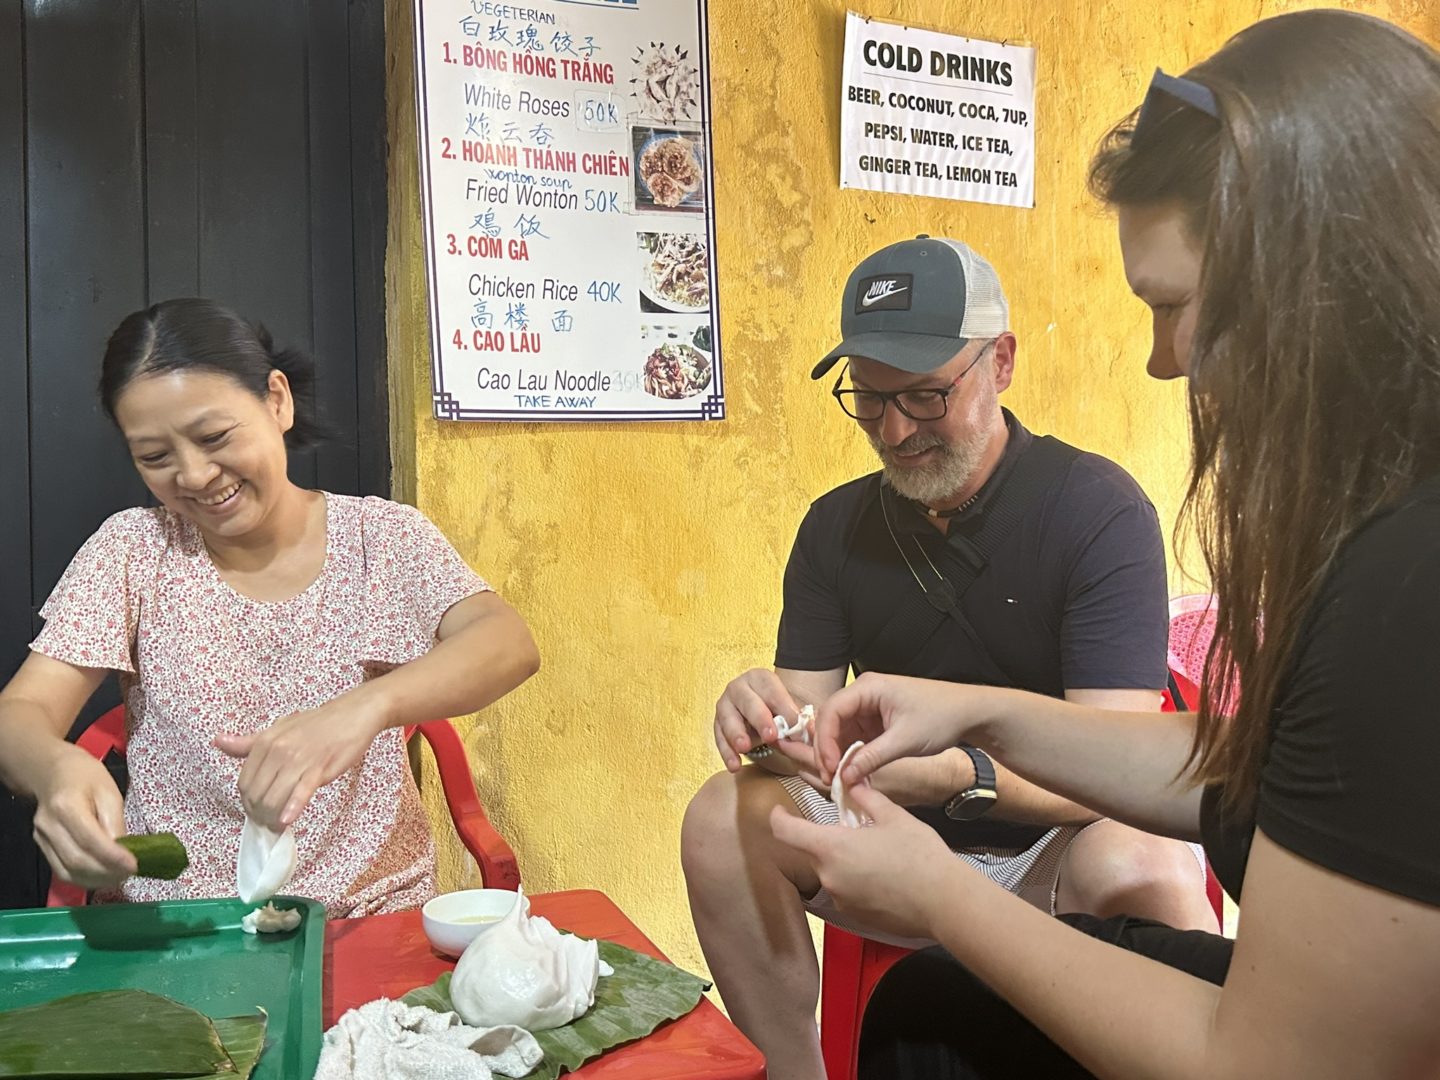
pixel 567 189
pixel 923 113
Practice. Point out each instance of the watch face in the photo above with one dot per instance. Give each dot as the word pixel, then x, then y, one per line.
pixel 969 805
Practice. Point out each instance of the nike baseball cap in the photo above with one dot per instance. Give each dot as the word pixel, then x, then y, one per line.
pixel 915 304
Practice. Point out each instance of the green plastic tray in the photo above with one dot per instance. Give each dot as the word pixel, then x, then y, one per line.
pixel 191 950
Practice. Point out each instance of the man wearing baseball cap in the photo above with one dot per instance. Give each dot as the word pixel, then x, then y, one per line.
pixel 979 553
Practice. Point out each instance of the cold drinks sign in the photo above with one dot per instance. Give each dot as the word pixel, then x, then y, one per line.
pixel 933 114
pixel 567 185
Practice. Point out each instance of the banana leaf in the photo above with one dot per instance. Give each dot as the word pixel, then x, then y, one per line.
pixel 117 1034
pixel 243 1038
pixel 641 995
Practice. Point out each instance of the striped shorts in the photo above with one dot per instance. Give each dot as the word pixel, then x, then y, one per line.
pixel 1031 873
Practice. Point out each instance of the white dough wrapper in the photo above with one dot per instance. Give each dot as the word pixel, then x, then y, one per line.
pixel 840 792
pixel 266 861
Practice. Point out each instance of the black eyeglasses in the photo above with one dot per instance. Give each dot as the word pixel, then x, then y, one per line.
pixel 922 403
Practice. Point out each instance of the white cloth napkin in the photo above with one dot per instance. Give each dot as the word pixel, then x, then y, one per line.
pixel 389 1040
pixel 265 863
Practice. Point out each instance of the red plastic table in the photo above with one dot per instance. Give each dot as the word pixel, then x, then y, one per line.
pixel 389 955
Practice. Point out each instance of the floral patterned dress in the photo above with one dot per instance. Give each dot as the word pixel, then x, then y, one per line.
pixel 197 659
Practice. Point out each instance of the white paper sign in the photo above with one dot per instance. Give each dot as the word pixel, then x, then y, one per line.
pixel 566 183
pixel 923 113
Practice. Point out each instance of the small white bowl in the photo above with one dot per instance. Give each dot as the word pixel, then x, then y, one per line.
pixel 453 920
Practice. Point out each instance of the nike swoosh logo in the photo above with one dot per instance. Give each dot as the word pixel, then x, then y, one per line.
pixel 866 301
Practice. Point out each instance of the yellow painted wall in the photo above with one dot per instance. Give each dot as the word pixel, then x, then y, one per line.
pixel 647 558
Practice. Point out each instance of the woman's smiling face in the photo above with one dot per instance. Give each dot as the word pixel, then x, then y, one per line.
pixel 208 448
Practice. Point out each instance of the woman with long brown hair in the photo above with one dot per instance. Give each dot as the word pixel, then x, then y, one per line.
pixel 1279 212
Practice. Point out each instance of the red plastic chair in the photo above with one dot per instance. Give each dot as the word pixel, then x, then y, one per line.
pixel 853 964
pixel 494 856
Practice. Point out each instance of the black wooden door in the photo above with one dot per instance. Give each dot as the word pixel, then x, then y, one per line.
pixel 233 149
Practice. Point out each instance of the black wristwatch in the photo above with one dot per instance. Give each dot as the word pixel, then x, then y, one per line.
pixel 977 800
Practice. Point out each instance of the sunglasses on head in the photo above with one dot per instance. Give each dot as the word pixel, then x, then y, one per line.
pixel 1180 89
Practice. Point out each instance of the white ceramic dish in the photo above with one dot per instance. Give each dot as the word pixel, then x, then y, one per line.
pixel 453 920
pixel 648 288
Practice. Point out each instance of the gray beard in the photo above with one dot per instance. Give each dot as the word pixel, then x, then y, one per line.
pixel 942 479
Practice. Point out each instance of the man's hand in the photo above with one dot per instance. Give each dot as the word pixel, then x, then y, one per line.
pixel 745 714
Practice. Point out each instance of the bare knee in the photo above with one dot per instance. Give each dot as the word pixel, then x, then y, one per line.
pixel 1112 869
pixel 726 829
pixel 710 824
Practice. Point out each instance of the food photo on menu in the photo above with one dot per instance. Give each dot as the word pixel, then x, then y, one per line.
pixel 677 362
pixel 669 170
pixel 674 272
pixel 666 84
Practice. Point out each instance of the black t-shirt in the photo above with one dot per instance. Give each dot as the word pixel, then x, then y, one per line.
pixel 1349 778
pixel 1075 598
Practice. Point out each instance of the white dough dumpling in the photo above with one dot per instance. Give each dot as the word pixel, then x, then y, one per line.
pixel 522 971
pixel 270 920
pixel 801 727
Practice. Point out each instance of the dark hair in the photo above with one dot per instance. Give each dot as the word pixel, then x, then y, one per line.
pixel 192 334
pixel 1315 396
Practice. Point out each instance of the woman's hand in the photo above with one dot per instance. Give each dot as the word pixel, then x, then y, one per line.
pixel 78 815
pixel 896 717
pixel 298 754
pixel 893 874
pixel 924 781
